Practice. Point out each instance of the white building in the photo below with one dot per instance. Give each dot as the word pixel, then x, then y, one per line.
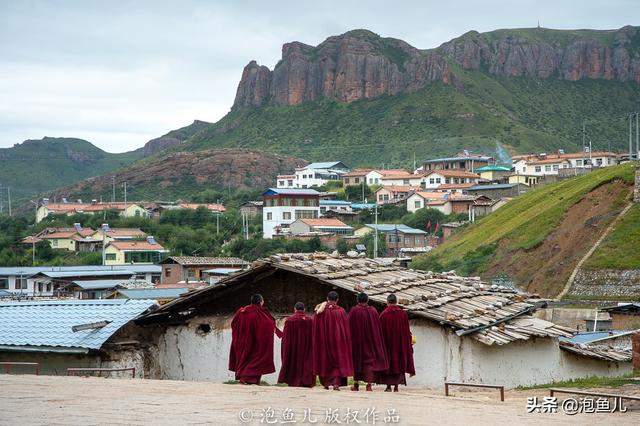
pixel 399 177
pixel 550 164
pixel 30 281
pixel 313 175
pixel 360 176
pixel 283 206
pixel 422 199
pixel 434 179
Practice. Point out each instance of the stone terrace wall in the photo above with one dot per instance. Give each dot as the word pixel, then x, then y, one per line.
pixel 610 282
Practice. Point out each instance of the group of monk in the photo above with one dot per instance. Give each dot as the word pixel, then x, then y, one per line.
pixel 330 345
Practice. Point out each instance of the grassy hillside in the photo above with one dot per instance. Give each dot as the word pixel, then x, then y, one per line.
pixel 512 239
pixel 523 114
pixel 621 248
pixel 39 165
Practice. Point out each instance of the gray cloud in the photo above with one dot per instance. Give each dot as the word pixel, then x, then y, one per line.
pixel 119 73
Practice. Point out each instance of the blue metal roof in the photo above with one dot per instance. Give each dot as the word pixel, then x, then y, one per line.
pixel 590 336
pixel 325 165
pixel 493 168
pixel 65 274
pixel 488 187
pixel 290 191
pixel 391 227
pixel 46 326
pixel 98 284
pixel 31 270
pixel 335 203
pixel 362 206
pixel 152 293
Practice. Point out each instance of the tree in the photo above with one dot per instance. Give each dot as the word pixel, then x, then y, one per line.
pixel 354 192
pixel 422 217
pixel 368 241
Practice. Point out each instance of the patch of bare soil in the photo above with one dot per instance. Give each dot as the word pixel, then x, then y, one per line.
pixel 546 268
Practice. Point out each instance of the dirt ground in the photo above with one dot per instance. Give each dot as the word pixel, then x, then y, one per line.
pixel 28 399
pixel 546 268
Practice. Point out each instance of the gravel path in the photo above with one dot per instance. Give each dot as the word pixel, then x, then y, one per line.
pixel 27 399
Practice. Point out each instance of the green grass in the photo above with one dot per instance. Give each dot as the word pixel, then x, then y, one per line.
pixel 621 248
pixel 589 382
pixel 523 222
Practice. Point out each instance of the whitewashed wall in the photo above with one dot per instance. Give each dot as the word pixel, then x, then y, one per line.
pixel 186 354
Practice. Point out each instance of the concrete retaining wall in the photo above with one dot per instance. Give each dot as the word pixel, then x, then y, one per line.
pixel 610 282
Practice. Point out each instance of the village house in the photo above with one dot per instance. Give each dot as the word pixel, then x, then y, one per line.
pixel 283 206
pixel 434 179
pixel 394 194
pixel 462 161
pixel 398 237
pixel 121 252
pixel 70 239
pixel 69 208
pixel 552 164
pixel 108 234
pixel 362 176
pixel 450 228
pixel 497 191
pixel 251 208
pixel 61 334
pixel 529 180
pixel 421 199
pixel 322 225
pixel 185 269
pixel 464 329
pixel 624 316
pixel 493 173
pixel 398 177
pixel 459 188
pixel 313 175
pixel 42 281
pixel 338 206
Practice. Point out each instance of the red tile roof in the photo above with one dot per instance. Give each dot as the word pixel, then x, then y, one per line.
pixel 399 188
pixel 124 232
pixel 445 186
pixel 135 245
pixel 454 173
pixel 357 172
pixel 210 206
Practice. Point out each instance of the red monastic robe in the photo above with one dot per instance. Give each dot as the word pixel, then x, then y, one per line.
pixel 297 351
pixel 251 353
pixel 397 338
pixel 332 346
pixel 367 343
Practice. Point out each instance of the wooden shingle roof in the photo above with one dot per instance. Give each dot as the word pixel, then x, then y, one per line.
pixel 489 313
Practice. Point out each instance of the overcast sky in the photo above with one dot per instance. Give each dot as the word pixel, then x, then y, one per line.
pixel 119 73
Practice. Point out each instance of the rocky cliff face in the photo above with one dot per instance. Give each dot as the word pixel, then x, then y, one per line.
pixel 544 53
pixel 359 64
pixel 356 65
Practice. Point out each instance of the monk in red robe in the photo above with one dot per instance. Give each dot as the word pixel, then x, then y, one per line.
pixel 251 353
pixel 332 344
pixel 296 350
pixel 397 338
pixel 367 344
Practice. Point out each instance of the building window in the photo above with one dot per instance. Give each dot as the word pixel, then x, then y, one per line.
pixel 281 183
pixel 438 180
pixel 393 238
pixel 417 241
pixel 142 257
pixel 579 163
pixel 269 216
pixel 21 283
pixel 306 214
pixel 417 204
pixel 599 162
pixel 167 272
pixel 357 180
pixel 524 169
pixel 538 169
pixel 110 256
pixel 405 181
pixel 547 168
pixel 555 167
pixel 4 283
pixel 286 215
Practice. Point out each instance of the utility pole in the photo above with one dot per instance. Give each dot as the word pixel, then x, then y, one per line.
pixel 113 190
pixel 375 230
pixel 125 195
pixel 630 136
